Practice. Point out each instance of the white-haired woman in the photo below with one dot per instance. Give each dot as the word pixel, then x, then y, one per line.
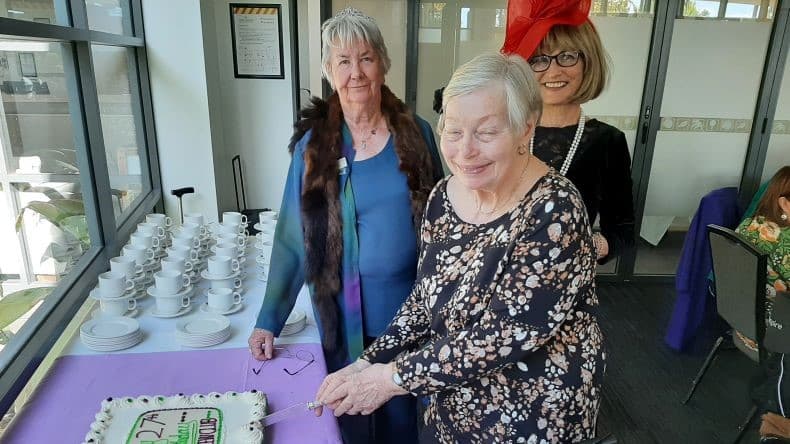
pixel 499 331
pixel 356 246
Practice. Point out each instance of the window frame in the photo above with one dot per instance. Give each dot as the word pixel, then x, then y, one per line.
pixel 22 356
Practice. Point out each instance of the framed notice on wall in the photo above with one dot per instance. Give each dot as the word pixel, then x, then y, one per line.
pixel 257 37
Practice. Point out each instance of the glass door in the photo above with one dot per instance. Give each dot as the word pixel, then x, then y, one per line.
pixel 711 86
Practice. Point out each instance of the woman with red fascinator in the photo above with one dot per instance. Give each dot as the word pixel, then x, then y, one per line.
pixel 568 60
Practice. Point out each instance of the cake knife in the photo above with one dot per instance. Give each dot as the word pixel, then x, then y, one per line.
pixel 289 412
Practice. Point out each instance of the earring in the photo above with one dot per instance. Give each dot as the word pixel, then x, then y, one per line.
pixel 783 216
pixel 521 150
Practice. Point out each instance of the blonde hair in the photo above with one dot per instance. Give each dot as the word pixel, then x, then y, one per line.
pixel 348 27
pixel 583 38
pixel 521 91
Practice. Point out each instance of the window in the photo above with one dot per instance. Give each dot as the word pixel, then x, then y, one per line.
pixel 729 10
pixel 73 118
pixel 621 7
pixel 119 129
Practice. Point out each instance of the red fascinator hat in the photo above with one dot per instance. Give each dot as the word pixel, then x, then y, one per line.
pixel 528 22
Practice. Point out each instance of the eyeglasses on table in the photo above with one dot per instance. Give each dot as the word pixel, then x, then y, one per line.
pixel 284 352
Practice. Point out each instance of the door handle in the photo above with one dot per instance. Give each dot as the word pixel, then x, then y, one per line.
pixel 645 127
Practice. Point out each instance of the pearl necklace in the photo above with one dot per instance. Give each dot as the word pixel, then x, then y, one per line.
pixel 577 138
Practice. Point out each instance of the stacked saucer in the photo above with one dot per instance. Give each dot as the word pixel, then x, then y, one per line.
pixel 295 323
pixel 204 330
pixel 111 333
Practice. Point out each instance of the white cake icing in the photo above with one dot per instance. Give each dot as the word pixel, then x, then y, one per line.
pixel 215 418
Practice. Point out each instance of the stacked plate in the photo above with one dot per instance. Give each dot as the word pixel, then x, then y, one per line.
pixel 295 322
pixel 110 333
pixel 203 331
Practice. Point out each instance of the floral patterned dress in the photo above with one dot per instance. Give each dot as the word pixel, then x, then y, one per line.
pixel 499 331
pixel 773 240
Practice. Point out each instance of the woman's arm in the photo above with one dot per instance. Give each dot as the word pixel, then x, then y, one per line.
pixel 617 203
pixel 286 273
pixel 549 268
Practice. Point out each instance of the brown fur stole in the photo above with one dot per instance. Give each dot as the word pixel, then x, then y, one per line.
pixel 321 212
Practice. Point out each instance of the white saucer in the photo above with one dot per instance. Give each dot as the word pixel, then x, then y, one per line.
pixel 261 277
pixel 206 275
pixel 260 227
pixel 205 309
pixel 129 314
pixel 181 312
pixel 153 291
pixel 126 294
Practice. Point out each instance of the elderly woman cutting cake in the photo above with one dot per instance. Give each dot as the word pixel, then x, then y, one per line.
pixel 499 331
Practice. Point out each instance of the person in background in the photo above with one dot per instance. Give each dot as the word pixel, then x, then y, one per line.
pixel 769 231
pixel 500 331
pixel 355 246
pixel 570 64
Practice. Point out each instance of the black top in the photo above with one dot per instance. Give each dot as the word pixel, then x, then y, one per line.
pixel 601 170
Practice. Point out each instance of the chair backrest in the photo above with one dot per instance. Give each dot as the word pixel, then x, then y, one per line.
pixel 740 273
pixel 777 333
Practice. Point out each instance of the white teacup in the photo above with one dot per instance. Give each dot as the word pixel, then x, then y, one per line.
pixel 265 216
pixel 114 284
pixel 125 265
pixel 222 299
pixel 233 217
pixel 226 249
pixel 177 264
pixel 185 252
pixel 229 228
pixel 159 219
pixel 222 265
pixel 140 254
pixel 265 238
pixel 170 282
pixel 117 306
pixel 232 283
pixel 144 240
pixel 194 218
pixel 151 229
pixel 186 240
pixel 193 229
pixel 268 227
pixel 230 238
pixel 171 305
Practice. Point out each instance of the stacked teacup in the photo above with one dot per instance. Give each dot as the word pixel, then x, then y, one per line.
pixel 165 224
pixel 133 271
pixel 192 240
pixel 263 242
pixel 115 293
pixel 144 265
pixel 172 293
pixel 224 267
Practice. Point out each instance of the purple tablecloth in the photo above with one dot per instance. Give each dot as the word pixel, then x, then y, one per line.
pixel 63 408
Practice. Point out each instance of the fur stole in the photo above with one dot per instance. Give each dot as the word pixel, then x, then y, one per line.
pixel 321 211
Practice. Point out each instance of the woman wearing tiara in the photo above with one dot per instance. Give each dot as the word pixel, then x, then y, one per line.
pixel 569 62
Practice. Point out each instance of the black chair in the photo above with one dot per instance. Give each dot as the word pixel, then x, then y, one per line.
pixel 740 276
pixel 777 336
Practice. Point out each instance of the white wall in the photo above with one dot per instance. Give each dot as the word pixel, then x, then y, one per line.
pixel 174 39
pixel 257 118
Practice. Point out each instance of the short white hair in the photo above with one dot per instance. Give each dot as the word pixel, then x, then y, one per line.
pixel 348 27
pixel 522 93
